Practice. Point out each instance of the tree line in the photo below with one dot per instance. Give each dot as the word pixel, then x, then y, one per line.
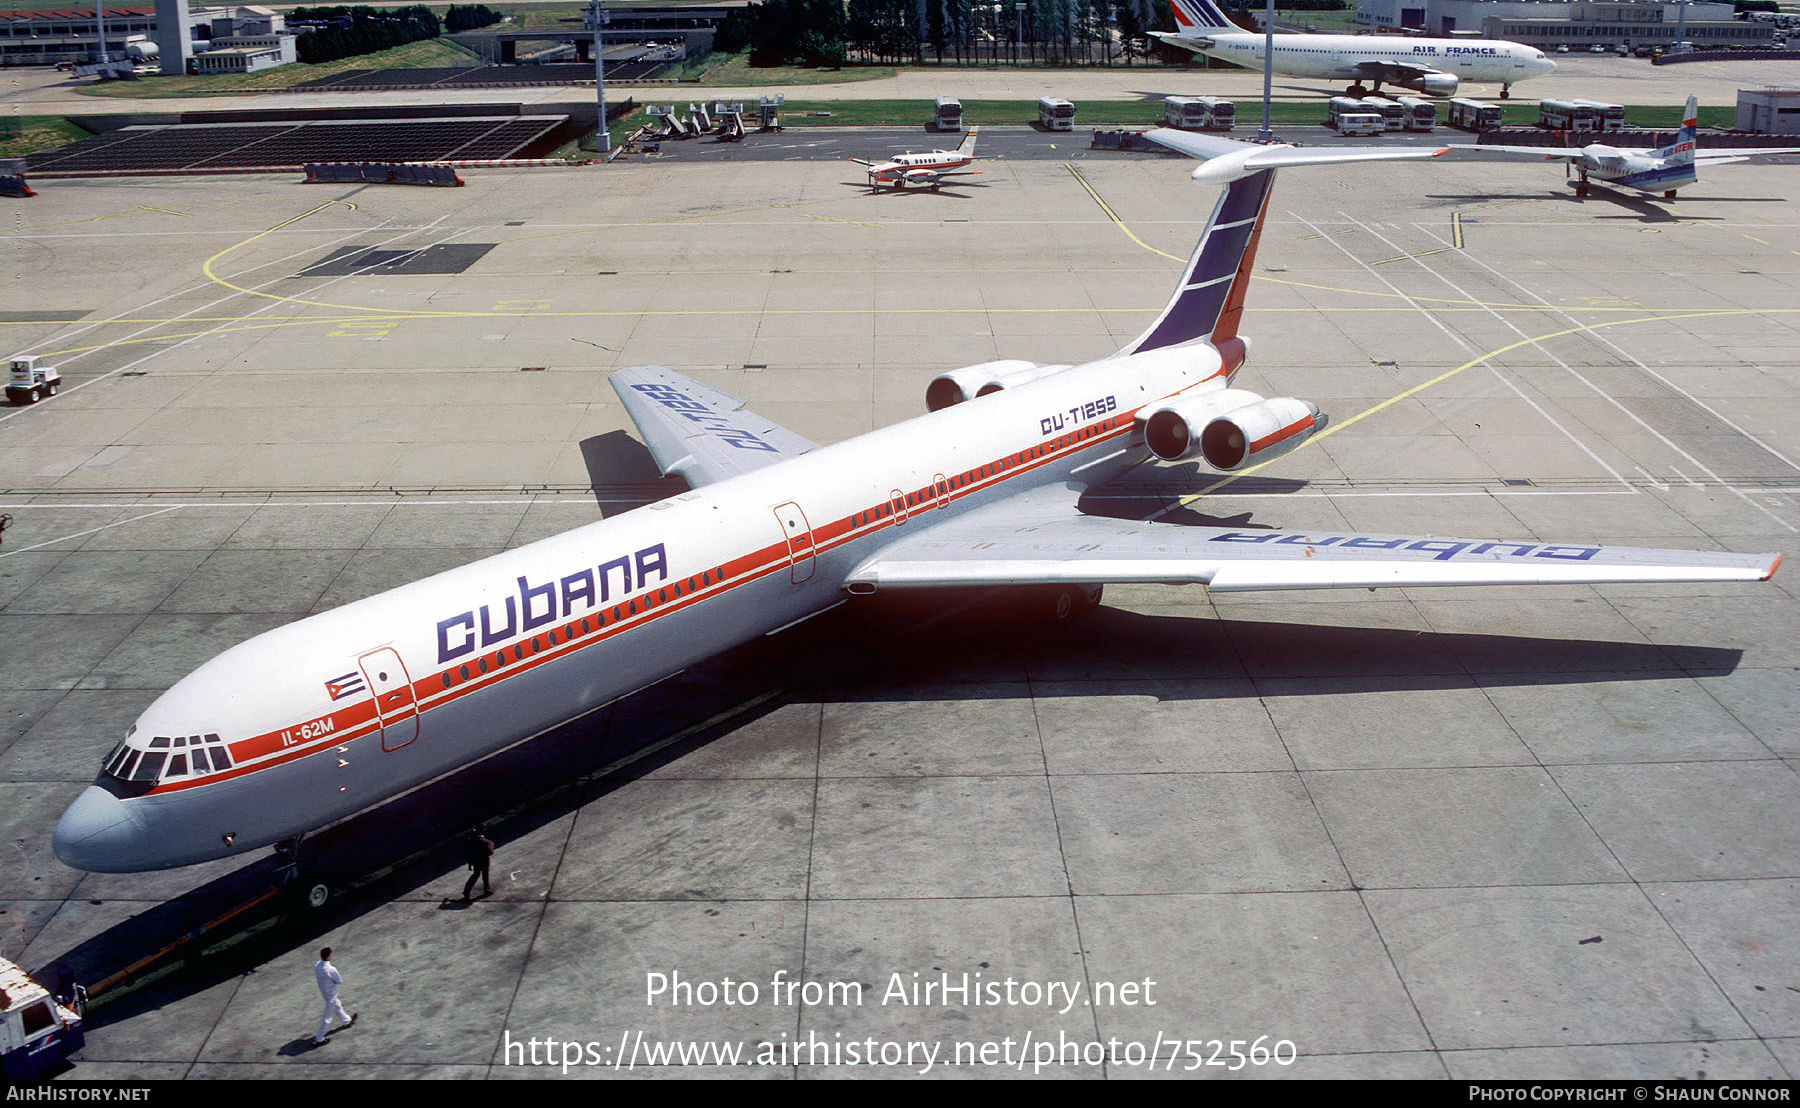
pixel 354 31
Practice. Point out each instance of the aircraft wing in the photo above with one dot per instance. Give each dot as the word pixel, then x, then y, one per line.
pixel 700 432
pixel 1531 153
pixel 1389 71
pixel 1723 155
pixel 1040 538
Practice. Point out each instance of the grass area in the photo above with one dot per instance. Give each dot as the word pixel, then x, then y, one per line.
pixel 27 134
pixel 1667 117
pixel 558 16
pixel 737 72
pixel 436 53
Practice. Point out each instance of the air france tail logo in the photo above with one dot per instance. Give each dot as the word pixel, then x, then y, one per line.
pixel 549 600
pixel 348 685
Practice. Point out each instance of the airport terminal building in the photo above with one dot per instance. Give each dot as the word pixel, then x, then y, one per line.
pixel 1576 24
pixel 243 38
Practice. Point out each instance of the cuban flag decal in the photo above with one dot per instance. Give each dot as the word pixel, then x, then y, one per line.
pixel 348 685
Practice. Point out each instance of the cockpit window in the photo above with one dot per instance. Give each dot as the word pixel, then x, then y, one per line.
pixel 150 768
pixel 199 754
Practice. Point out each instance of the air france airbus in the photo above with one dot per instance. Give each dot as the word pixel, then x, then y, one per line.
pixel 1434 66
pixel 307 724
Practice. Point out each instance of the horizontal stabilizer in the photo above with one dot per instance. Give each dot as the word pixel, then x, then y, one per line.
pixel 1228 159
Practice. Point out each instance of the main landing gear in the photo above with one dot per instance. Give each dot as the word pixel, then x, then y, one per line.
pixel 1067 603
pixel 307 889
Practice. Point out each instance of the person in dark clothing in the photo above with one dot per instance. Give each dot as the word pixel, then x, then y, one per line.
pixel 478 849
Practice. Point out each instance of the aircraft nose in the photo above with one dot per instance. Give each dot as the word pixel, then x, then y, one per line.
pixel 98 833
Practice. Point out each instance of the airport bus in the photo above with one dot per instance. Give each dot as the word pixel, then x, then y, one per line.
pixel 1199 113
pixel 1566 115
pixel 1421 115
pixel 1348 116
pixel 1607 117
pixel 1393 115
pixel 1055 114
pixel 1339 105
pixel 949 114
pixel 1473 115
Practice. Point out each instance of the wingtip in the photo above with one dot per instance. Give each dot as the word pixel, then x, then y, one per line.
pixel 1773 566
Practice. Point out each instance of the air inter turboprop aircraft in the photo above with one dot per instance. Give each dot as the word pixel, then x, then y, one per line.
pixel 1663 170
pixel 1434 66
pixel 309 723
pixel 922 169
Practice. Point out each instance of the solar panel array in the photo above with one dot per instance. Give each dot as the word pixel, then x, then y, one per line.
pixel 200 147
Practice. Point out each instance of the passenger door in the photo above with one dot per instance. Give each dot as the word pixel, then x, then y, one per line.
pixel 395 706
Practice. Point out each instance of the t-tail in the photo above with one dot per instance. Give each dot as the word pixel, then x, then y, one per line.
pixel 1681 151
pixel 1208 302
pixel 1231 429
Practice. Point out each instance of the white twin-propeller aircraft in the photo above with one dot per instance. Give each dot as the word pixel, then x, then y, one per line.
pixel 929 168
pixel 307 724
pixel 1663 169
pixel 1434 66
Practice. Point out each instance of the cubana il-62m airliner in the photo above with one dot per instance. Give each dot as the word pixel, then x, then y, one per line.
pixel 307 724
pixel 1434 66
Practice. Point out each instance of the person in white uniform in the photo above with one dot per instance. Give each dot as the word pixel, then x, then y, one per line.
pixel 329 979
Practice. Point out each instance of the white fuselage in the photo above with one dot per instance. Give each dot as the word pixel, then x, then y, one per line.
pixel 1336 57
pixel 340 711
pixel 919 166
pixel 1636 169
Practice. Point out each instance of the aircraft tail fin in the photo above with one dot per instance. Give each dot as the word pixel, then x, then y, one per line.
pixel 1681 151
pixel 967 149
pixel 1209 300
pixel 1197 16
pixel 1210 297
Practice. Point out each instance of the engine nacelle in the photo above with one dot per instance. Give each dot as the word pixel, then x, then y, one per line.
pixel 1258 432
pixel 1432 84
pixel 1170 430
pixel 972 381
